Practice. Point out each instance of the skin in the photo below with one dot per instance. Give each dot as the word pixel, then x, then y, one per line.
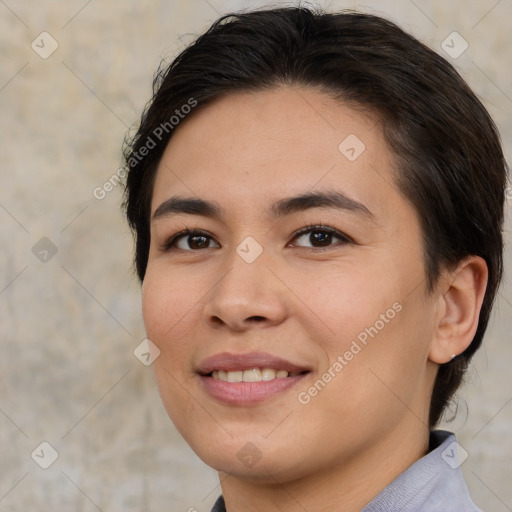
pixel 299 301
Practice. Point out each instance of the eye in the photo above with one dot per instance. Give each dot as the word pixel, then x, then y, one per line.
pixel 189 240
pixel 319 237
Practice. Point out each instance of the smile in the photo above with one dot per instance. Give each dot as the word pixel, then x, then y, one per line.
pixel 252 375
pixel 248 379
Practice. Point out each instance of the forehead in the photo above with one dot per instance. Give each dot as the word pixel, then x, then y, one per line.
pixel 250 148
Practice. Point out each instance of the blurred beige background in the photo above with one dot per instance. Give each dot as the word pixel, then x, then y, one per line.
pixel 69 304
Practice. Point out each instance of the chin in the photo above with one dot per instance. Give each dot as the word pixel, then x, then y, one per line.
pixel 244 459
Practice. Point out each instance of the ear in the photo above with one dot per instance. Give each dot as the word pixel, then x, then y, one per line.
pixel 460 298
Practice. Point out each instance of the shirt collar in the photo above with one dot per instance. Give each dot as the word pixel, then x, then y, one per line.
pixel 434 482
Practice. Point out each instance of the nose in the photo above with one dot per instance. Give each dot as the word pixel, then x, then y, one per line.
pixel 249 295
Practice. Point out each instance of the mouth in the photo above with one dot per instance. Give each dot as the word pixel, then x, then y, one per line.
pixel 253 375
pixel 248 379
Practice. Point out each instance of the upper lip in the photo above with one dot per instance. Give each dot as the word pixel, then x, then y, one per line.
pixel 228 361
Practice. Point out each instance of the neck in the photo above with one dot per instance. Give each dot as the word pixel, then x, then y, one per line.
pixel 349 485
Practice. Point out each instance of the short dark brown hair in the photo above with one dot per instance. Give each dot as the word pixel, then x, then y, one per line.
pixel 450 164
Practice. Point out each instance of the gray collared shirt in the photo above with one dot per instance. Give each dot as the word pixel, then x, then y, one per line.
pixel 432 484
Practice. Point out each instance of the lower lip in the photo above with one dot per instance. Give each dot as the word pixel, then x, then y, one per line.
pixel 248 393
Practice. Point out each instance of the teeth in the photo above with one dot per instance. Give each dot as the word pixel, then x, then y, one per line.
pixel 237 376
pixel 252 375
pixel 268 374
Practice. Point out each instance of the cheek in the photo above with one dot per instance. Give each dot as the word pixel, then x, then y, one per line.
pixel 349 304
pixel 373 323
pixel 170 305
pixel 165 296
pixel 388 369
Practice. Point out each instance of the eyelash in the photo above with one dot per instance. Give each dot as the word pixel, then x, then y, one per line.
pixel 169 244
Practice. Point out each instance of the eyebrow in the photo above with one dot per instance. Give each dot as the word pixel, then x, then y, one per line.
pixel 283 207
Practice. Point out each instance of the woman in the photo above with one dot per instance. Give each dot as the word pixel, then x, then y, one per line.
pixel 317 201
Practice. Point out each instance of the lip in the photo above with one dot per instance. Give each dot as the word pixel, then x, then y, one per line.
pixel 231 361
pixel 244 394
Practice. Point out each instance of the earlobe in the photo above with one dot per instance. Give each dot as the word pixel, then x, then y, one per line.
pixel 459 307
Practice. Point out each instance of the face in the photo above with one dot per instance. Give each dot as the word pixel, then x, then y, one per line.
pixel 292 318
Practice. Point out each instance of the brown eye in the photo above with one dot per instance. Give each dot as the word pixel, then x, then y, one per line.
pixel 196 241
pixel 319 237
pixel 190 240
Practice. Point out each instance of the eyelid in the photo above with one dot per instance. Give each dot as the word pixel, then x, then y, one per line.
pixel 320 227
pixel 168 244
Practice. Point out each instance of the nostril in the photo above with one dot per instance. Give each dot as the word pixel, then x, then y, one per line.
pixel 256 318
pixel 217 320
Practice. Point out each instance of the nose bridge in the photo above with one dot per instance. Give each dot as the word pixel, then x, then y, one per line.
pixel 247 291
pixel 246 276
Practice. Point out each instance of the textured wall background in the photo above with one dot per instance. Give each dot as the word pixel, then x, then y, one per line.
pixel 69 321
